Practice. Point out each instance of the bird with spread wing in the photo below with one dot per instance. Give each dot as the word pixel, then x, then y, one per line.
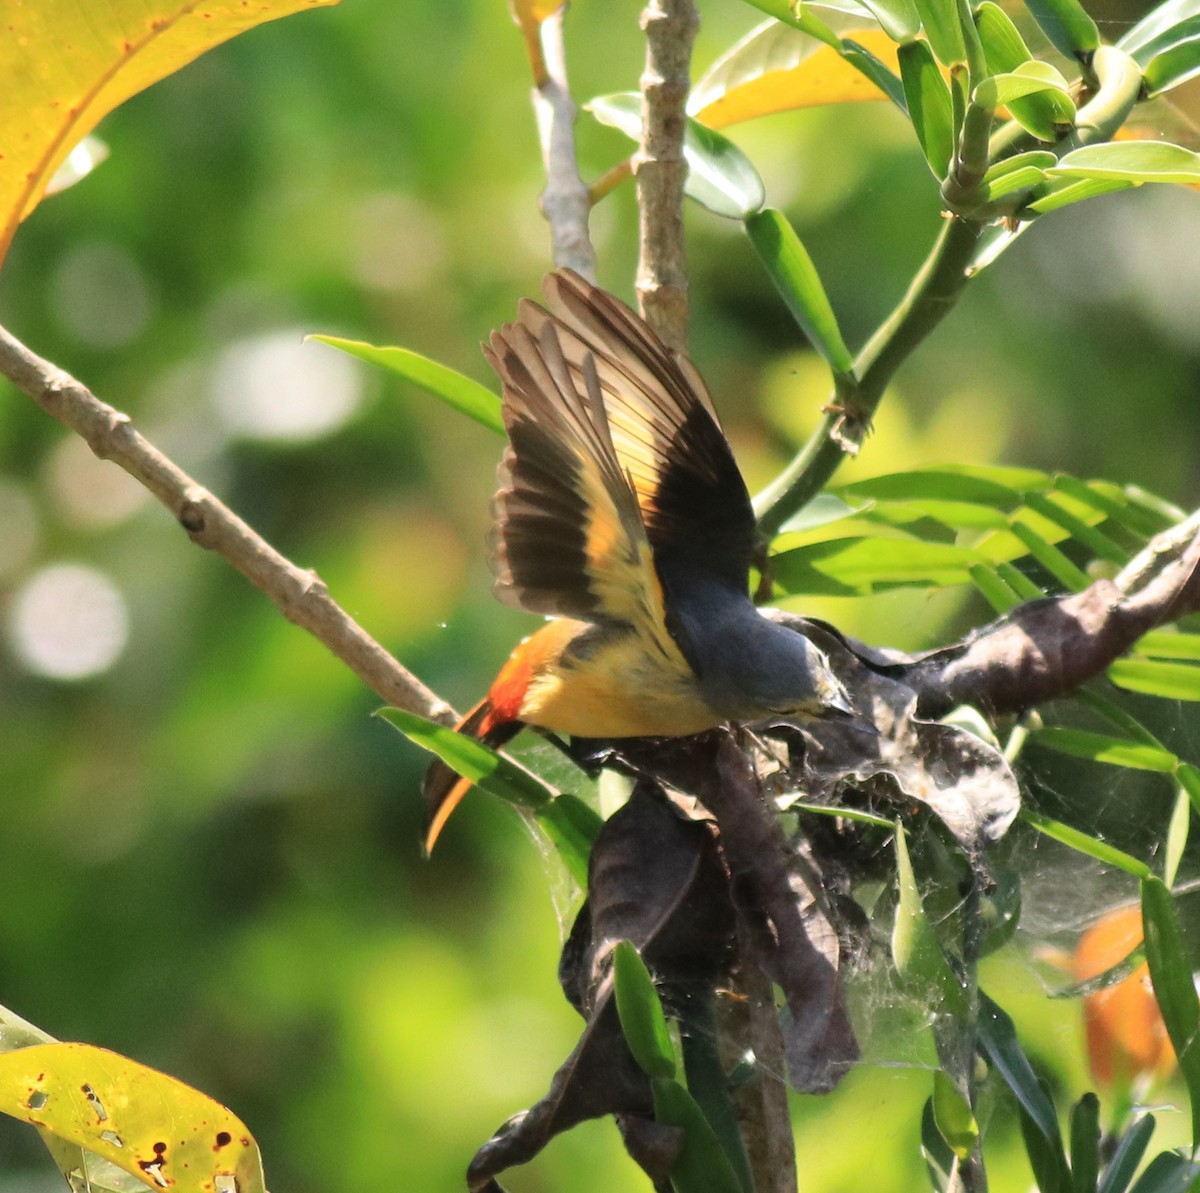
pixel 622 516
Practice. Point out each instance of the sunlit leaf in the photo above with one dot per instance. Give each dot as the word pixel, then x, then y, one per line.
pixel 642 1020
pixel 929 104
pixel 67 63
pixel 572 827
pixel 1064 192
pixel 1099 747
pixel 1169 644
pixel 995 591
pixel 1019 88
pixel 1003 45
pixel 1131 161
pixel 454 388
pixel 1020 172
pixel 800 17
pixel 144 1122
pixel 1171 973
pixel 1081 842
pixel 942 485
pixel 953 1115
pixel 1050 557
pixel 795 277
pixel 1173 66
pixel 1177 835
pixel 940 19
pixel 1172 681
pixel 863 565
pixel 1070 29
pixel 777 68
pixel 720 176
pixel 882 75
pixel 488 770
pixel 1144 40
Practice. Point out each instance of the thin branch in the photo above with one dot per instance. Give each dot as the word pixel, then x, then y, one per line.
pixel 661 169
pixel 565 202
pixel 300 594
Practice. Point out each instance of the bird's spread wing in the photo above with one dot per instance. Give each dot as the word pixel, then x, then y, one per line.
pixel 616 460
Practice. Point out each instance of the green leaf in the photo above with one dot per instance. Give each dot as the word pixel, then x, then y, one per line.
pixel 1172 681
pixel 1099 747
pixel 1173 66
pixel 1168 1172
pixel 1171 975
pixel 1095 540
pixel 1169 644
pixel 1069 28
pixel 940 20
pixel 702 1166
pixel 936 485
pixel 1106 979
pixel 929 105
pixel 1035 94
pixel 720 176
pixel 1177 836
pixel 795 277
pixel 864 565
pixel 1003 45
pixel 1145 38
pixel 572 827
pixel 1170 37
pixel 473 760
pixel 876 70
pixel 642 1020
pixel 1020 583
pixel 1019 172
pixel 939 1159
pixel 454 388
pixel 1063 193
pixel 995 591
pixel 1050 557
pixel 899 19
pixel 1131 161
pixel 998 1039
pixel 1026 79
pixel 1128 1156
pixel 804 20
pixel 1085 1143
pixel 1110 855
pixel 953 1115
pixel 916 952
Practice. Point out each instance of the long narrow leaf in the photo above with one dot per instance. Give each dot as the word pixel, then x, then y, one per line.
pixel 942 26
pixel 1075 839
pixel 454 388
pixel 998 1038
pixel 929 105
pixel 640 1010
pixel 1173 66
pixel 795 277
pixel 1128 1156
pixel 1067 25
pixel 1085 1143
pixel 1172 681
pixel 1099 747
pixel 1131 161
pixel 1171 975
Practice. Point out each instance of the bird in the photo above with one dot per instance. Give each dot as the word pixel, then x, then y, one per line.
pixel 622 517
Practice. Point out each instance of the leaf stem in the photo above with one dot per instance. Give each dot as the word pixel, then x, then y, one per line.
pixel 929 299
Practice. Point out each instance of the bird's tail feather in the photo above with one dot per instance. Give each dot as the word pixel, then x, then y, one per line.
pixel 443 788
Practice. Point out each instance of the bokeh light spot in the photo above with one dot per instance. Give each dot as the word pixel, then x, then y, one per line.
pixel 275 386
pixel 68 622
pixel 101 295
pixel 89 491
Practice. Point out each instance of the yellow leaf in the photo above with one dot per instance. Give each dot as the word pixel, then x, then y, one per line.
pixel 777 68
pixel 152 1126
pixel 67 63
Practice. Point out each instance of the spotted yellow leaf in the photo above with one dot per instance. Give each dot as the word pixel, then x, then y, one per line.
pixel 777 68
pixel 67 63
pixel 152 1126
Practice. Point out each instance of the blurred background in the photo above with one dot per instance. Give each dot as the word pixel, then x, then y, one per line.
pixel 210 856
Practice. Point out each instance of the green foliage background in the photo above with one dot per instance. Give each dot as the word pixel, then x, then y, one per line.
pixel 209 857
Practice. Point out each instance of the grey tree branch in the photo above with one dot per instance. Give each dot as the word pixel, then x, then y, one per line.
pixel 566 203
pixel 299 594
pixel 661 169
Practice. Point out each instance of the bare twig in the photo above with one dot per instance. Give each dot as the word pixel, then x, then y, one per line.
pixel 661 169
pixel 566 203
pixel 300 594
